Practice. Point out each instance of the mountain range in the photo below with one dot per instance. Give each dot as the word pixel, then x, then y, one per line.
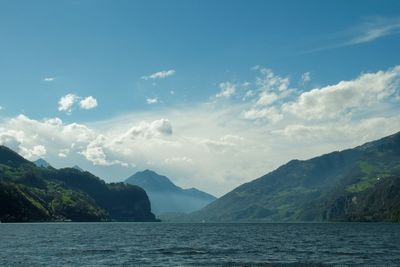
pixel 359 184
pixel 32 194
pixel 166 197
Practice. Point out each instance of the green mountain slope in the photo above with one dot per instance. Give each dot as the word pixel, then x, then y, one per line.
pixel 317 189
pixel 30 193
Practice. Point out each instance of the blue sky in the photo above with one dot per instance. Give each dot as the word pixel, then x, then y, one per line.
pixel 186 77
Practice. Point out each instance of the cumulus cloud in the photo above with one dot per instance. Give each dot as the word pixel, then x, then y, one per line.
pixel 49 79
pixel 88 102
pixel 146 130
pixel 17 140
pixel 95 153
pixel 160 75
pixel 67 102
pixel 35 152
pixel 151 101
pixel 269 81
pixel 227 89
pixel 217 147
pixel 271 89
pixel 277 102
pixel 346 96
pixel 37 138
pixel 267 98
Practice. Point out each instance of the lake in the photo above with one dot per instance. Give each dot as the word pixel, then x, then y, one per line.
pixel 203 244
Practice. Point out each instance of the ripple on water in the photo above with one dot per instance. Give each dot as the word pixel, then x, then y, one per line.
pixel 167 244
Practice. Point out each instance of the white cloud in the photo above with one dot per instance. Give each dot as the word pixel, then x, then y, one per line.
pixel 24 134
pixel 35 152
pixel 346 96
pixel 63 153
pixel 267 98
pixel 270 114
pixel 66 102
pixel 88 102
pixel 374 29
pixel 249 93
pixel 95 152
pixel 269 81
pixel 160 75
pixel 178 160
pixel 225 143
pixel 1 108
pixel 271 87
pixel 341 131
pixel 217 146
pixel 49 79
pixel 151 101
pixel 227 89
pixel 232 138
pixel 157 128
pixel 305 77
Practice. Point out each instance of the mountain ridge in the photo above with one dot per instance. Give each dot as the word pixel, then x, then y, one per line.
pixel 310 190
pixel 41 163
pixel 166 197
pixel 35 194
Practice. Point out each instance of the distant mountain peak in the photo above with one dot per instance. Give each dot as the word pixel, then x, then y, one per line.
pixel 42 163
pixel 76 167
pixel 165 196
pixel 152 181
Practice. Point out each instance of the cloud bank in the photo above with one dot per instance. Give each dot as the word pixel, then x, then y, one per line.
pixel 220 144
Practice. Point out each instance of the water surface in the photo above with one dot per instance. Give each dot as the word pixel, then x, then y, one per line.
pixel 179 244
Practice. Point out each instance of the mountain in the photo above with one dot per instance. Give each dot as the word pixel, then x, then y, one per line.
pixel 30 194
pixel 76 167
pixel 359 184
pixel 11 158
pixel 166 197
pixel 41 163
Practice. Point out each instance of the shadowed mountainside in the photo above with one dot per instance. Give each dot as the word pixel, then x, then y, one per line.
pixel 29 194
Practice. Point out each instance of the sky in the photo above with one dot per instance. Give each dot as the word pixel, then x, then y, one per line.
pixel 212 94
